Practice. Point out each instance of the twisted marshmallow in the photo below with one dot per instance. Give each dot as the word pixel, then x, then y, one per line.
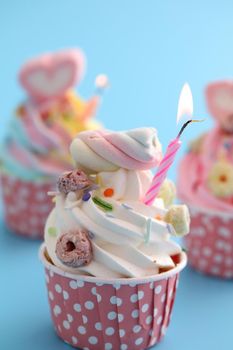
pixel 96 151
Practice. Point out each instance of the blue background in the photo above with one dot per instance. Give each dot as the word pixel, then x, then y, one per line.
pixel 148 49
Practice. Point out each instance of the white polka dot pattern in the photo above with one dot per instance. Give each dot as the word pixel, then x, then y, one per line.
pixel 98 326
pixel 210 244
pixel 95 316
pixel 27 215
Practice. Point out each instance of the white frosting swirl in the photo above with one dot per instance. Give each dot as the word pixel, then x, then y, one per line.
pixel 127 184
pixel 129 238
pixel 128 241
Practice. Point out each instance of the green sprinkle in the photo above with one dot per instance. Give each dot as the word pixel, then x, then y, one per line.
pixel 52 231
pixel 102 204
pixel 148 230
pixel 184 250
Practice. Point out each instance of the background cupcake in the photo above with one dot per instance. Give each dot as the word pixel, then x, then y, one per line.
pixel 111 265
pixel 206 183
pixel 35 149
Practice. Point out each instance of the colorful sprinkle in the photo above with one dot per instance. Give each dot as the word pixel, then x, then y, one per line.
pixel 126 206
pixel 169 229
pixel 99 181
pixel 91 235
pixel 110 215
pixel 101 203
pixel 148 230
pixel 52 231
pixel 175 258
pixel 109 192
pixel 86 196
pixel 158 217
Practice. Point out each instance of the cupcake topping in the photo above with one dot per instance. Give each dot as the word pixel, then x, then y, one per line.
pixel 220 179
pixel 129 238
pixel 178 216
pixel 74 248
pixel 51 75
pixel 97 151
pixel 219 97
pixel 102 203
pixel 39 135
pixel 73 181
pixel 206 171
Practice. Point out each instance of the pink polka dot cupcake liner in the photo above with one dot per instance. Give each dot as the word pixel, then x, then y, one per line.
pixel 26 205
pixel 210 242
pixel 125 314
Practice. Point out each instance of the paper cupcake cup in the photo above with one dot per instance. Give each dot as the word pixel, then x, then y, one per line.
pixel 26 205
pixel 92 313
pixel 210 242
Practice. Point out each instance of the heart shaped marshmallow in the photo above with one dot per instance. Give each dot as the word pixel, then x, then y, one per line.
pixel 51 75
pixel 219 96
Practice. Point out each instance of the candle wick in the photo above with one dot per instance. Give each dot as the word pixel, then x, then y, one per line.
pixel 187 123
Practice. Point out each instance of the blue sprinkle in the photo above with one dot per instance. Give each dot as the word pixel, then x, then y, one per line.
pixel 148 230
pixel 91 235
pixel 126 206
pixel 86 196
pixel 110 215
pixel 169 229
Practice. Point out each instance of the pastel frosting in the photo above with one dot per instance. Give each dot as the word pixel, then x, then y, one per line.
pixel 129 238
pixel 194 173
pixel 37 144
pixel 206 171
pixel 38 139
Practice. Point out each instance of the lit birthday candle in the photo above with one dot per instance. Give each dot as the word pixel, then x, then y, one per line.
pixel 185 107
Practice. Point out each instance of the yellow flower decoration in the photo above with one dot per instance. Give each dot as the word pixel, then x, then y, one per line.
pixel 220 179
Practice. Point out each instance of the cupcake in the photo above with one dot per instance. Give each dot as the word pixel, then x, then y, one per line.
pixel 36 148
pixel 111 265
pixel 205 183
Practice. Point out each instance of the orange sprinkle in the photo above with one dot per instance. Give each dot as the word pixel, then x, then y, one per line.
pixel 20 111
pixel 109 192
pixel 158 217
pixel 223 178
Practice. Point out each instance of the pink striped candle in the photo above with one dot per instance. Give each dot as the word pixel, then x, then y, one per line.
pixel 185 107
pixel 163 168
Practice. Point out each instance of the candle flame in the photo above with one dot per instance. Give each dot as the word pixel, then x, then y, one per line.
pixel 185 104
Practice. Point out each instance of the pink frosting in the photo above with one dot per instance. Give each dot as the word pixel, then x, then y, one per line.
pixel 194 167
pixel 219 98
pixel 123 149
pixel 44 138
pixel 42 163
pixel 41 134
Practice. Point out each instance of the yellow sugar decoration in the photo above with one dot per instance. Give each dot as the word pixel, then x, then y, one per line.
pixel 99 180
